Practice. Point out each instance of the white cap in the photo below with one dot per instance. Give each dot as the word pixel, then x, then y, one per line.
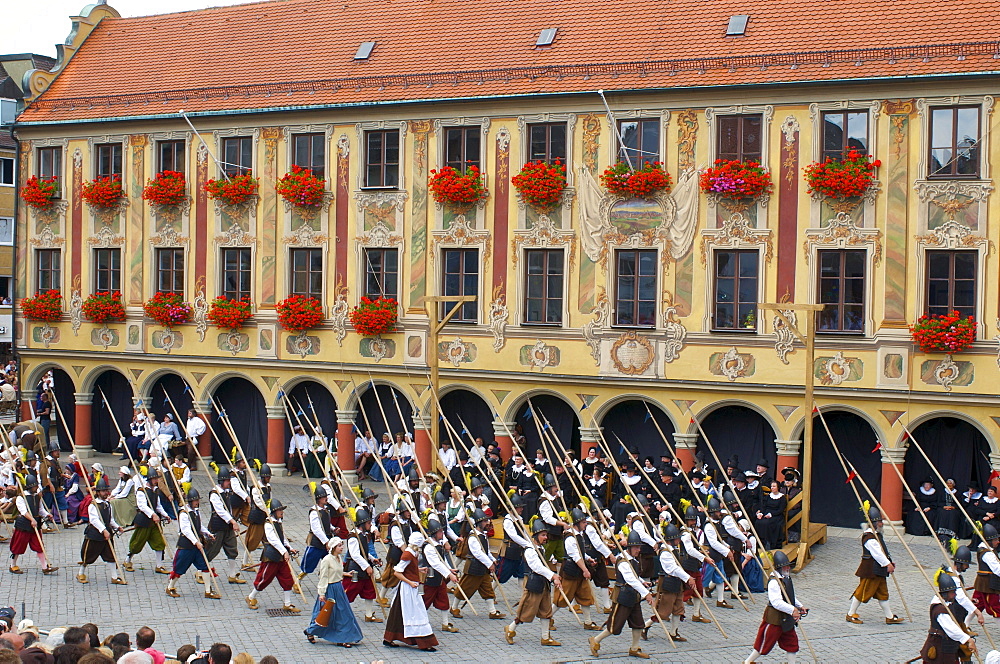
pixel 416 539
pixel 125 470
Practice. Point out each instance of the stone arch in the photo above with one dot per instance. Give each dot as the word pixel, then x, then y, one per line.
pixel 737 428
pixel 555 407
pixel 89 381
pixel 312 403
pixel 626 419
pixel 36 372
pixel 800 425
pixel 148 386
pixel 369 414
pixel 603 409
pixel 213 384
pixel 519 402
pixel 716 405
pixel 460 405
pixel 65 394
pixel 913 424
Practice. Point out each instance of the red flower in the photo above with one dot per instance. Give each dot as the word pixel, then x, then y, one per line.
pixel 944 333
pixel 228 314
pixel 849 177
pixel 301 188
pixel 299 312
pixel 167 309
pixel 461 189
pixel 736 179
pixel 373 317
pixel 103 193
pixel 233 191
pixel 40 192
pixel 167 188
pixel 645 182
pixel 44 307
pixel 103 308
pixel 540 184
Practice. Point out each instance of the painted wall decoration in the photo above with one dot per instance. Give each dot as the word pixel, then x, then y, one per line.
pixel 539 356
pixel 897 198
pixel 892 365
pixel 302 344
pixel 414 346
pixel 233 342
pixel 675 333
pixel 632 354
pixel 105 337
pixel 422 131
pixel 168 340
pixel 499 315
pixel 947 373
pixel 591 329
pixel 732 364
pixel 377 348
pixel 457 351
pixel 838 369
pixel 788 199
pixel 45 334
pixel 265 339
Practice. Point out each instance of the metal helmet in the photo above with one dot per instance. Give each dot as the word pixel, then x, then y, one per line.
pixel 963 555
pixel 320 492
pixel 31 457
pixel 361 515
pixel 439 497
pixel 946 583
pixel 102 484
pixel 691 513
pixel 434 527
pixel 634 539
pixel 276 505
pixel 516 501
pixel 874 514
pixel 404 505
pixel 550 481
pixel 729 497
pixel 479 516
pixel 413 475
pixel 989 530
pixel 671 532
pixel 538 527
pixel 265 471
pixel 152 474
pixel 368 493
pixel 713 505
pixel 476 483
pixel 781 560
pixel 223 474
pixel 31 482
pixel 192 495
pixel 578 515
pixel 642 500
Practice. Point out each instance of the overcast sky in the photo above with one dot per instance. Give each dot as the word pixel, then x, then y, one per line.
pixel 36 26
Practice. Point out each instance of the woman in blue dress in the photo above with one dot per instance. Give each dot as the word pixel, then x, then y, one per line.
pixel 385 453
pixel 343 628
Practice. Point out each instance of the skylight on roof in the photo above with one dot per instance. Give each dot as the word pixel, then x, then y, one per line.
pixel 546 37
pixel 737 25
pixel 364 50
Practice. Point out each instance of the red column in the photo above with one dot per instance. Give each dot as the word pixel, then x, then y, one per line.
pixel 686 445
pixel 27 403
pixel 788 455
pixel 84 406
pixel 345 440
pixel 503 439
pixel 205 444
pixel 276 437
pixel 423 444
pixel 892 486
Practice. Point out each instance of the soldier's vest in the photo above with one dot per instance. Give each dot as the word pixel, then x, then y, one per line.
pixel 185 543
pixel 324 522
pixel 477 568
pixel 869 569
pixel 735 543
pixel 257 515
pixel 512 550
pixel 938 643
pixel 986 580
pixel 238 502
pixel 141 520
pixel 395 553
pixel 270 553
pixel 959 611
pixel 668 582
pixel 352 565
pixel 716 556
pixel 91 532
pixel 21 522
pixel 772 616
pixel 434 577
pixel 688 562
pixel 555 532
pixel 55 474
pixel 627 596
pixel 570 570
pixel 536 583
pixel 215 523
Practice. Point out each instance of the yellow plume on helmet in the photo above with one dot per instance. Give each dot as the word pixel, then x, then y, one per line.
pixel 625 530
pixel 511 492
pixel 232 455
pixel 586 503
pixel 952 546
pixel 351 512
pixel 865 506
pixel 257 464
pixel 214 466
pixel 357 490
pixel 531 521
pixel 685 504
pixel 468 481
pixel 628 499
pixel 564 516
pixel 937 574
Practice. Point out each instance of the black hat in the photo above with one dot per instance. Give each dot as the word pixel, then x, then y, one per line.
pixel 764 463
pixel 434 526
pixel 265 471
pixel 734 462
pixel 463 455
pixel 738 476
pixel 276 505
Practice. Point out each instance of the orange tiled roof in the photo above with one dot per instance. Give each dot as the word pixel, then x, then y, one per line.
pixel 299 53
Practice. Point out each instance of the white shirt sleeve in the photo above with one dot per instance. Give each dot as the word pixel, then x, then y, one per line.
pixel 238 488
pixel 184 523
pixel 992 562
pixel 875 549
pixel 434 560
pixel 627 573
pixel 712 537
pixel 536 565
pixel 316 526
pixel 94 514
pixel 142 504
pixel 396 535
pixel 729 523
pixel 961 597
pixel 271 534
pixel 777 598
pixel 219 507
pixel 688 541
pixel 195 427
pixel 510 529
pixel 476 549
pixel 547 512
pixel 357 555
pixel 595 539
pixel 573 548
pixel 954 632
pixel 258 499
pixel 670 565
pixel 639 527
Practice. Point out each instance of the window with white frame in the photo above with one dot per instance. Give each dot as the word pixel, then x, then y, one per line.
pixel 635 287
pixel 7 171
pixel 7 230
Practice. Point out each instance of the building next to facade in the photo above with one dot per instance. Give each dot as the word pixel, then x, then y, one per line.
pixel 12 70
pixel 586 314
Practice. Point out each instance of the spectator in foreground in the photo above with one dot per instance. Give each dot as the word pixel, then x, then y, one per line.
pixel 219 653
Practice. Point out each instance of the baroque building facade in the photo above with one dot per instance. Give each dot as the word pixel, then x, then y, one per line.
pixel 606 318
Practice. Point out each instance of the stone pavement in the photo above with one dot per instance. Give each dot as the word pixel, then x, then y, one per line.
pixel 824 586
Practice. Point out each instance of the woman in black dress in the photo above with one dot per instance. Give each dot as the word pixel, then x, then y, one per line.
pixel 949 517
pixel 771 517
pixel 928 500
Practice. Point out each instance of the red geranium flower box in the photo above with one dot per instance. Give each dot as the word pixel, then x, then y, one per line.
pixel 373 317
pixel 233 191
pixel 541 185
pixel 103 193
pixel 645 182
pixel 849 177
pixel 736 179
pixel 39 193
pixel 456 188
pixel 301 188
pixel 104 308
pixel 944 333
pixel 299 312
pixel 167 309
pixel 167 188
pixel 228 314
pixel 44 307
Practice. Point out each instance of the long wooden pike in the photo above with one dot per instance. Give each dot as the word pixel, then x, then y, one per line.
pixel 38 533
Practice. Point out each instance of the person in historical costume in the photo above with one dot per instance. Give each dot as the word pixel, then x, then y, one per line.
pixel 148 523
pixel 781 615
pixel 54 492
pixel 98 536
pixel 735 538
pixel 191 546
pixel 407 621
pixel 123 498
pixel 74 494
pixel 440 514
pixel 718 551
pixel 575 570
pixel 964 609
pixel 947 641
pixel 30 512
pixel 316 455
pixel 275 560
pixel 986 593
pixel 260 497
pixel 948 515
pixel 182 477
pixel 692 560
pixel 750 565
pixel 194 428
pixel 536 598
pixel 548 511
pixel 456 510
pixel 514 544
pixel 441 571
pixel 320 532
pixel 627 607
pixel 928 502
pixel 873 572
pixel 478 576
pixel 241 481
pixel 361 564
pixel 601 557
pixel 342 627
pixel 770 517
pixel 399 534
pixel 670 589
pixel 223 525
